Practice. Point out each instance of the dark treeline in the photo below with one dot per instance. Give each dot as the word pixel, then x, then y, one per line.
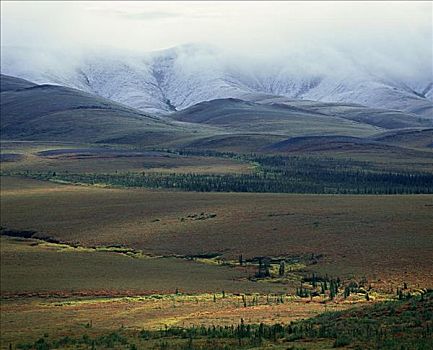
pixel 327 183
pixel 279 174
pixel 281 181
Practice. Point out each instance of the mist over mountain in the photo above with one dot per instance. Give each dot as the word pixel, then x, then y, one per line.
pixel 164 81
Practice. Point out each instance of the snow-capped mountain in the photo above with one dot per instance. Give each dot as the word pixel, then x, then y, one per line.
pixel 174 79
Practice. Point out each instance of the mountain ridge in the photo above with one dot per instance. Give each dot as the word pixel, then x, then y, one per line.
pixel 164 81
pixel 52 112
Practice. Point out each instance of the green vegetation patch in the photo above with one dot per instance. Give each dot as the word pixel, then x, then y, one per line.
pixel 278 174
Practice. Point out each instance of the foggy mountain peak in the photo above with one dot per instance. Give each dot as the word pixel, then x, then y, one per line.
pixel 173 79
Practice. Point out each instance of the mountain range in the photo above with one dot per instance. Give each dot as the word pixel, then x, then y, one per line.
pixel 171 80
pixel 44 112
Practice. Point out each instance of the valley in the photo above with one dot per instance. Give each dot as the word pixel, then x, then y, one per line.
pixel 170 260
pixel 239 222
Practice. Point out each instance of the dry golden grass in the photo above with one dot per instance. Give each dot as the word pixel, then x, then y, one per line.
pixel 29 319
pixel 58 290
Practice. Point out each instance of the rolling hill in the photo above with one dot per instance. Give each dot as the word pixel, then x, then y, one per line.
pixel 380 117
pixel 329 144
pixel 250 117
pixel 57 113
pixel 269 123
pixel 298 117
pixel 13 84
pixel 408 137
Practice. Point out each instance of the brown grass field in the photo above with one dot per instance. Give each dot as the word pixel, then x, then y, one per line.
pixel 32 267
pixel 55 289
pixel 59 290
pixel 110 163
pixel 124 253
pixel 385 238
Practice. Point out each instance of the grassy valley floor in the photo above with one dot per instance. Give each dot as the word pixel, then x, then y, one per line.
pixel 95 265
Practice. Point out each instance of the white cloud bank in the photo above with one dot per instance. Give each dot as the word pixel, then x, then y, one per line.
pixel 395 37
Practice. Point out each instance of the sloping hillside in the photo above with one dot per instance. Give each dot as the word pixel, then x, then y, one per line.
pixel 383 118
pixel 11 83
pixel 274 119
pixel 408 137
pixel 56 113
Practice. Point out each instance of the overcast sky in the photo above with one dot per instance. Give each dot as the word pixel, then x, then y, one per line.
pixel 156 25
pixel 401 31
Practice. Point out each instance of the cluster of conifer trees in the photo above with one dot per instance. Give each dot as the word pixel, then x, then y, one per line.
pixel 278 174
pixel 388 329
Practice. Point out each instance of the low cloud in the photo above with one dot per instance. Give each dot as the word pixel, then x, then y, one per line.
pixel 392 39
